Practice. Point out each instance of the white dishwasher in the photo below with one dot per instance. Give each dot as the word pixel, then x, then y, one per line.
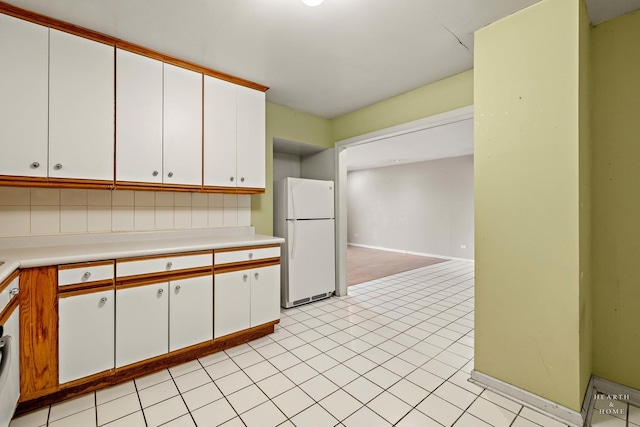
pixel 9 355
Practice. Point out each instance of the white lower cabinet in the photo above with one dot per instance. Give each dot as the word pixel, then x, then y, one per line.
pixel 142 319
pixel 265 295
pixel 86 334
pixel 232 312
pixel 246 298
pixel 190 311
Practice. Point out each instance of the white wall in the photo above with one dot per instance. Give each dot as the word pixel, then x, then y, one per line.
pixel 319 166
pixel 37 211
pixel 285 165
pixel 424 207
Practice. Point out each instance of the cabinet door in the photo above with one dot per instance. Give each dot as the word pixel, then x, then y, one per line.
pixel 265 295
pixel 182 155
pixel 81 108
pixel 139 118
pixel 219 133
pixel 231 302
pixel 251 138
pixel 85 334
pixel 190 311
pixel 142 323
pixel 24 87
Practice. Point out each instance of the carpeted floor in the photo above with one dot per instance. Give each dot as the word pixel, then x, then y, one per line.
pixel 364 264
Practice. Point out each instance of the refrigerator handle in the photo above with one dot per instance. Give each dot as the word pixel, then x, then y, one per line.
pixel 292 255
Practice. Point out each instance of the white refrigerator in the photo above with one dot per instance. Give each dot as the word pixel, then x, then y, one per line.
pixel 304 217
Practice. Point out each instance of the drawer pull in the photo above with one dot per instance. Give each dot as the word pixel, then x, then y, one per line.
pixel 257 275
pixel 169 265
pixel 14 291
pixel 250 255
pixel 103 300
pixel 57 166
pixel 86 275
pixel 178 288
pixel 155 173
pixel 35 165
pixel 245 277
pixel 160 292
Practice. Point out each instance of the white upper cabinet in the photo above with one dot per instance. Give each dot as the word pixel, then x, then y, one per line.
pixel 251 138
pixel 138 118
pixel 182 155
pixel 219 133
pixel 81 108
pixel 234 135
pixel 24 87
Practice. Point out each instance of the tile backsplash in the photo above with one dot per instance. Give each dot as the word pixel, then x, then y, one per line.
pixel 31 211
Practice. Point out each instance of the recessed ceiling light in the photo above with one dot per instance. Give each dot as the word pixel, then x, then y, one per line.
pixel 312 2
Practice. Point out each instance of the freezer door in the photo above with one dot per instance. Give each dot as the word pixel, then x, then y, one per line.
pixel 311 258
pixel 309 198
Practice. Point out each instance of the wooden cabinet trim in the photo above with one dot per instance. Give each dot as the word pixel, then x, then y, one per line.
pixel 38 331
pixel 150 279
pixel 248 248
pixel 85 264
pixel 168 255
pixel 9 309
pixel 57 24
pixel 85 288
pixel 131 47
pixel 245 265
pixel 6 282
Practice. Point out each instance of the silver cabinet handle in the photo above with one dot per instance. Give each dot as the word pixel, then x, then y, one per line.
pixel 245 277
pixel 242 179
pixel 13 292
pixel 231 178
pixel 86 275
pixel 178 287
pixel 169 265
pixel 155 173
pixel 57 166
pixel 160 292
pixel 256 275
pixel 250 255
pixel 103 300
pixel 170 174
pixel 35 165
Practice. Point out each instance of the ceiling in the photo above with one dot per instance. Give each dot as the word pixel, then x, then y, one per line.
pixel 449 140
pixel 326 60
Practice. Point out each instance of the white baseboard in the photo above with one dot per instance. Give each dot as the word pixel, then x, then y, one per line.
pixel 528 399
pixel 410 252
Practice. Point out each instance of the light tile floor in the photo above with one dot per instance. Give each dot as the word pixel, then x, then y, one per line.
pixel 395 351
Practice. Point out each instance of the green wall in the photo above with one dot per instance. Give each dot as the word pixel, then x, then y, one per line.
pixel 527 202
pixel 444 95
pixel 292 125
pixel 616 199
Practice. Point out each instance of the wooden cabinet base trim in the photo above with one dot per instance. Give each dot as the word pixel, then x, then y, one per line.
pixel 244 265
pixel 129 372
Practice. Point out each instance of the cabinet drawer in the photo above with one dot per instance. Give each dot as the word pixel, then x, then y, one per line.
pixel 72 274
pixel 161 264
pixel 244 255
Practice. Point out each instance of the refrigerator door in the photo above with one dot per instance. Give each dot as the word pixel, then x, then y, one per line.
pixel 310 259
pixel 309 199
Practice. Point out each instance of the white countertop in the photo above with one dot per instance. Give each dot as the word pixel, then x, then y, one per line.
pixel 38 251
